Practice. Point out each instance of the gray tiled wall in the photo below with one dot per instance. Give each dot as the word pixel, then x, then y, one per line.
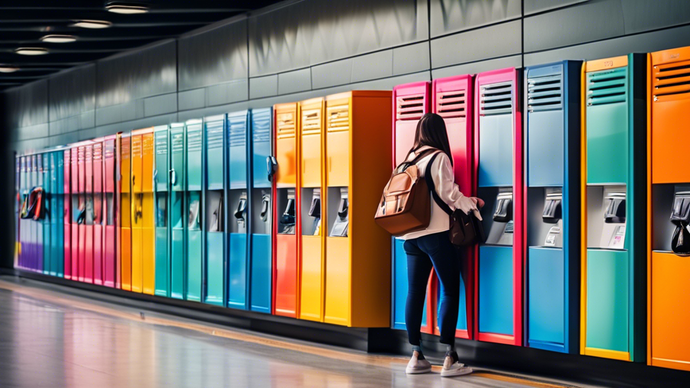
pixel 312 48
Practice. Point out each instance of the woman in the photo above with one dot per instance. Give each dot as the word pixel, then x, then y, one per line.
pixel 432 247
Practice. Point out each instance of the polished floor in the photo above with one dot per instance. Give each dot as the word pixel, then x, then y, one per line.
pixel 53 339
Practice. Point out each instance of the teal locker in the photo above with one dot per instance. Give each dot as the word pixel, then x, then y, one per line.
pixel 45 223
pixel 163 263
pixel 176 212
pixel 195 247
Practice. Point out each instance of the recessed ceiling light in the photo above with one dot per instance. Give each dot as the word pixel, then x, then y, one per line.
pixel 93 24
pixel 8 69
pixel 31 51
pixel 59 38
pixel 126 8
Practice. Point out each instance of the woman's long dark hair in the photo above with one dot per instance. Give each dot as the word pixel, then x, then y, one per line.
pixel 431 131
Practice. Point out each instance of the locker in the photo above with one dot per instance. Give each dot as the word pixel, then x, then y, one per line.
pixel 98 212
pixel 178 225
pixel 498 160
pixel 452 100
pixel 38 225
pixel 260 214
pixel 285 209
pixel 17 209
pixel 215 211
pixel 613 208
pixel 110 210
pixel 311 246
pixel 238 260
pixel 410 102
pixel 126 212
pixel 79 227
pixel 194 172
pixel 553 205
pixel 88 223
pixel 45 222
pixel 668 334
pixel 67 212
pixel 162 197
pixel 143 235
pixel 357 262
pixel 57 210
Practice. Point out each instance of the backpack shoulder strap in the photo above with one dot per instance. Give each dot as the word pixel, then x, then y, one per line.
pixel 405 164
pixel 432 186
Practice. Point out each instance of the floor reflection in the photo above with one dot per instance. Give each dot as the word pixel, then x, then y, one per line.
pixel 46 344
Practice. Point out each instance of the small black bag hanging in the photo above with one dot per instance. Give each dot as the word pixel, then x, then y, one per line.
pixel 680 242
pixel 465 229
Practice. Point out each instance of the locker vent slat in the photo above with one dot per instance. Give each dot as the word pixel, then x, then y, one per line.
pixel 285 126
pixel 261 125
pixel 544 93
pixel 97 152
pixel 409 107
pixel 671 79
pixel 607 87
pixel 237 132
pixel 214 134
pixel 311 121
pixel 177 141
pixel 496 99
pixel 451 104
pixel 161 143
pixel 193 141
pixel 339 118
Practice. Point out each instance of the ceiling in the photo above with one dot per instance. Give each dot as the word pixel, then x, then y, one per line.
pixel 24 22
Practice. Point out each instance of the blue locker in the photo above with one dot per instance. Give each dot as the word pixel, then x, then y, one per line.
pixel 553 206
pixel 400 288
pixel 260 222
pixel 161 136
pixel 215 213
pixel 177 212
pixel 238 210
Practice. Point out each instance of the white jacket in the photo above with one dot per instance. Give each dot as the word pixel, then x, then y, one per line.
pixel 447 190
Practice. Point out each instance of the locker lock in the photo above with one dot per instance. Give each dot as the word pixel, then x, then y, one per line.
pixel 271 166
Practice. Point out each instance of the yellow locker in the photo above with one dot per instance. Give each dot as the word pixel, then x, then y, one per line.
pixel 311 210
pixel 147 214
pixel 357 260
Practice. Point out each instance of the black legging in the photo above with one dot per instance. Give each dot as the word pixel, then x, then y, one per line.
pixel 423 253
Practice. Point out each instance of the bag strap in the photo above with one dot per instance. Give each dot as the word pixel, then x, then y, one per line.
pixel 416 159
pixel 432 187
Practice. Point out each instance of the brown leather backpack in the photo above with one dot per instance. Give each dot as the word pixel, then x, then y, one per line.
pixel 405 205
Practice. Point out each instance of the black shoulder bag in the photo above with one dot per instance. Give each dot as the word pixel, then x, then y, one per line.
pixel 465 229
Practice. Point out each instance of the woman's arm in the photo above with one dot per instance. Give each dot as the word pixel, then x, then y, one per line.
pixel 447 189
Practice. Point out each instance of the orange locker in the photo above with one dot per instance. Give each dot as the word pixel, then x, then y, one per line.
pixel 285 209
pixel 357 261
pixel 668 269
pixel 125 212
pixel 143 237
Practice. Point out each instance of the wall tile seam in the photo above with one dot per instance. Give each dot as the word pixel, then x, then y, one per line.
pixel 362 54
pixel 609 38
pixel 475 28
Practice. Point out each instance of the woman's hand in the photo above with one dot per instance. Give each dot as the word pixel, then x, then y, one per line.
pixel 479 201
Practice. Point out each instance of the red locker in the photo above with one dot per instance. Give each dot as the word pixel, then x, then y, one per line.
pixel 76 207
pixel 410 102
pixel 98 227
pixel 452 100
pixel 86 169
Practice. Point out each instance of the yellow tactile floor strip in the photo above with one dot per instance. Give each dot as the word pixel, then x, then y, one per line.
pixel 367 359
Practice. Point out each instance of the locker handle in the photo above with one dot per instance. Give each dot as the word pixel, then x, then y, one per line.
pixel 134 180
pixel 155 176
pixel 173 177
pixel 330 164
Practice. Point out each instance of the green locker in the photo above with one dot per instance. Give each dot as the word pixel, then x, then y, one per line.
pixel 176 212
pixel 160 176
pixel 195 246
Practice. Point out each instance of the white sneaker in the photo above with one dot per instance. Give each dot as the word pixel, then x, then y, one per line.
pixel 417 366
pixel 451 369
